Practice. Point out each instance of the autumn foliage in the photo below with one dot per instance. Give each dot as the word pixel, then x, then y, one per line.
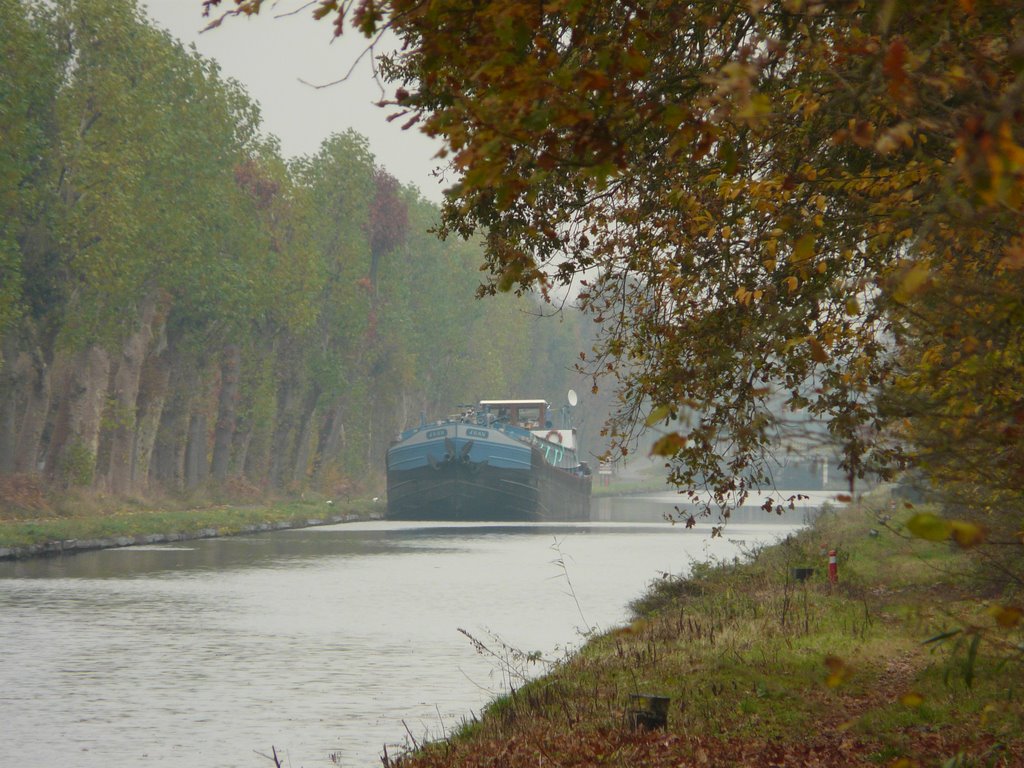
pixel 770 207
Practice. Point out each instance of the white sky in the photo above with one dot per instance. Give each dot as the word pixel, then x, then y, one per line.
pixel 272 53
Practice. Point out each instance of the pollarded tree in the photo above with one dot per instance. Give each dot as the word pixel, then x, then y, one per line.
pixel 103 140
pixel 751 196
pixel 29 294
pixel 336 188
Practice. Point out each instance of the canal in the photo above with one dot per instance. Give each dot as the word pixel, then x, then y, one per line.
pixel 324 643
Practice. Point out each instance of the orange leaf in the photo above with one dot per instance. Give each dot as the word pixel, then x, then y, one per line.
pixel 1006 616
pixel 965 534
pixel 668 445
pixel 818 352
pixel 892 66
pixel 1013 256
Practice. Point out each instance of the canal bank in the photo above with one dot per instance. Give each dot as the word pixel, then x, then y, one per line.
pixel 68 535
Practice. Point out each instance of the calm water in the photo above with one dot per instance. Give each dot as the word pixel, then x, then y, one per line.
pixel 326 643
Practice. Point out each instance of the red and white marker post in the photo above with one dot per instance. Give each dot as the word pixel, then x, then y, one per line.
pixel 833 567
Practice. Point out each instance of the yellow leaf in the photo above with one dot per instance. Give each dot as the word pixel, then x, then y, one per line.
pixel 967 535
pixel 913 280
pixel 839 673
pixel 912 700
pixel 903 762
pixel 925 525
pixel 804 248
pixel 792 283
pixel 852 307
pixel 987 711
pixel 1006 616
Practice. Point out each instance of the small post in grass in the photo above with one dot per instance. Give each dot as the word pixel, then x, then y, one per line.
pixel 647 711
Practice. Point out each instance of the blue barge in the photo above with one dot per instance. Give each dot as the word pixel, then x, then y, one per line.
pixel 501 460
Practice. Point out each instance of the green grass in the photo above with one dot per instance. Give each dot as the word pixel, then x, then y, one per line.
pixel 133 522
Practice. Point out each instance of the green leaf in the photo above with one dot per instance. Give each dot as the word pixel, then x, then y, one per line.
pixel 659 413
pixel 942 636
pixel 972 657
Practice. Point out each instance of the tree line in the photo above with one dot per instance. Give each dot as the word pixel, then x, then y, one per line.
pixel 181 306
pixel 773 208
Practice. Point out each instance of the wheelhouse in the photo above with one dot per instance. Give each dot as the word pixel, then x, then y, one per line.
pixel 525 414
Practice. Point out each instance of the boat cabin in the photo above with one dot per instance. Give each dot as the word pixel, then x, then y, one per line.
pixel 526 414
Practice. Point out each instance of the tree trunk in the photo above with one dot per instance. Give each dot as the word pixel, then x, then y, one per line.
pixel 240 448
pixel 152 399
pixel 284 432
pixel 227 405
pixel 8 441
pixel 125 397
pixel 10 383
pixel 76 439
pixel 196 467
pixel 167 467
pixel 304 441
pixel 287 416
pixel 369 436
pixel 329 440
pixel 37 409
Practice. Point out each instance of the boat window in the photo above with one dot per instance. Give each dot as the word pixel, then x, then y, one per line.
pixel 530 417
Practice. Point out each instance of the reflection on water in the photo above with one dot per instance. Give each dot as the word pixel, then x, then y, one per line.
pixel 799 507
pixel 318 641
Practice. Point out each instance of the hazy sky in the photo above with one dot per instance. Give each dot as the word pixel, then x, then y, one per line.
pixel 272 53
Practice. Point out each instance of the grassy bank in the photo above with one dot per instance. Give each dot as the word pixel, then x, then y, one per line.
pixel 763 670
pixel 625 487
pixel 92 522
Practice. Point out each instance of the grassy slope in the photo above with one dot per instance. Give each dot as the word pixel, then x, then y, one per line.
pixel 762 671
pixel 91 521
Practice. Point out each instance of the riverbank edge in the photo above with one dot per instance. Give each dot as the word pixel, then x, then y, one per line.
pixel 60 547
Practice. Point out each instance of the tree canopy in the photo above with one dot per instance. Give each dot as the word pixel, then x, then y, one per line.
pixel 770 207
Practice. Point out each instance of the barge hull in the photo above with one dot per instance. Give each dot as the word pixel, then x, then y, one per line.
pixel 460 490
